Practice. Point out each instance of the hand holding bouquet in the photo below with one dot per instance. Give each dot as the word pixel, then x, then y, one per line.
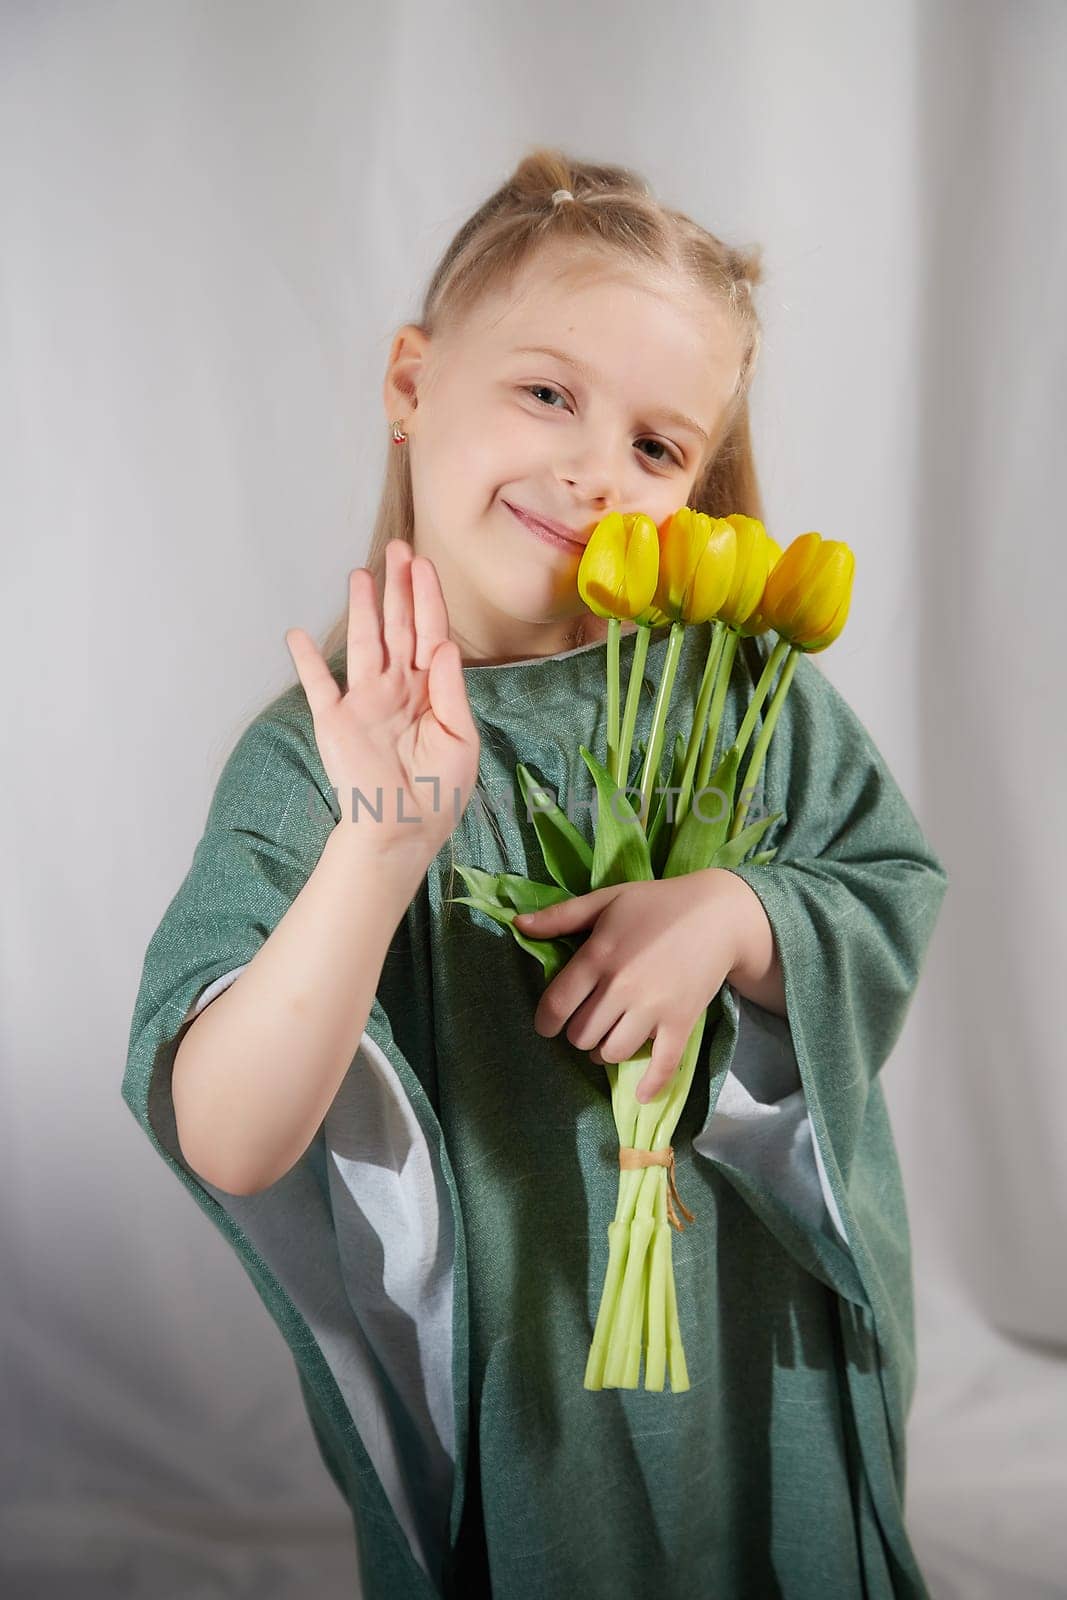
pixel 694 569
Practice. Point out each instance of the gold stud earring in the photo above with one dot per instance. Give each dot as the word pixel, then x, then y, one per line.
pixel 398 436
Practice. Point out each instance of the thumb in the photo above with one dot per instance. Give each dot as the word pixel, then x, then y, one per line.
pixel 566 915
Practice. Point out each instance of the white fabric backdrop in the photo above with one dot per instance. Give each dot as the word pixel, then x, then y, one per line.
pixel 212 216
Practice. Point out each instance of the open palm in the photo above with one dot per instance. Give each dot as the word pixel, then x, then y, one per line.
pixel 404 725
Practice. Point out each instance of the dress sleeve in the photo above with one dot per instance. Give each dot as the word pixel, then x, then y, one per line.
pixel 267 825
pixel 852 897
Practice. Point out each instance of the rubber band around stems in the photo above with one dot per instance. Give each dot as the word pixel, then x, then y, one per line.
pixel 630 1158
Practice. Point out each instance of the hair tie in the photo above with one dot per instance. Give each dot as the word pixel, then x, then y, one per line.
pixel 561 195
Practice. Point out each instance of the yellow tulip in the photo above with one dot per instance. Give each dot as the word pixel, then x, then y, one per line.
pixel 696 565
pixel 619 566
pixel 756 623
pixel 750 569
pixel 808 593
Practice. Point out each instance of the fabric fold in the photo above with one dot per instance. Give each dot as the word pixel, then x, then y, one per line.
pixel 760 1127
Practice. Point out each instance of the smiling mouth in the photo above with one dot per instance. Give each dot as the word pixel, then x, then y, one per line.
pixel 551 535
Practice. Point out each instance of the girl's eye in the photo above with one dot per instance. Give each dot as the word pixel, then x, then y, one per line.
pixel 547 388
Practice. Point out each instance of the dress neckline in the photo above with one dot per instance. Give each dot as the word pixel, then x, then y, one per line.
pixel 562 655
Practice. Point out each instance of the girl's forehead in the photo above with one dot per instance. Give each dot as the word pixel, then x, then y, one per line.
pixel 547 283
pixel 558 309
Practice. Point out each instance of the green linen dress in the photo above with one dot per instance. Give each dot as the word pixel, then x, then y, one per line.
pixel 434 1260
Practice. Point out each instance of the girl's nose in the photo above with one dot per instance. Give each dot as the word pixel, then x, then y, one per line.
pixel 595 478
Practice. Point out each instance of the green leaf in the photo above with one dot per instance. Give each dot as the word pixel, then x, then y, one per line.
pixel 525 894
pixel 510 889
pixel 479 882
pixel 703 830
pixel 761 858
pixel 553 954
pixel 567 855
pixel 732 852
pixel 620 847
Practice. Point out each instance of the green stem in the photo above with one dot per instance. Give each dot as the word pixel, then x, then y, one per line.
pixel 764 740
pixel 656 1347
pixel 635 1125
pixel 620 1318
pixel 614 630
pixel 726 662
pixel 659 719
pixel 633 695
pixel 618 1238
pixel 700 717
pixel 629 1308
pixel 759 695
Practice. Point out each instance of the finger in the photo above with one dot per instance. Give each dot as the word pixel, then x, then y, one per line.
pixel 320 685
pixel 565 916
pixel 365 655
pixel 629 1035
pixel 398 612
pixel 431 614
pixel 666 1054
pixel 447 689
pixel 595 1019
pixel 564 995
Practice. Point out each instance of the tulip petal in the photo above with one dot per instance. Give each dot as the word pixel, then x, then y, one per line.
pixel 828 636
pixel 619 566
pixel 787 584
pixel 602 566
pixel 750 570
pixel 711 581
pixel 830 585
pixel 697 556
pixel 642 564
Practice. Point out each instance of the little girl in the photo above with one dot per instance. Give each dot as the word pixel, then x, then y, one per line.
pixel 404 1134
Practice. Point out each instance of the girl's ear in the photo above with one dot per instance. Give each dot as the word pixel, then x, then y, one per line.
pixel 405 367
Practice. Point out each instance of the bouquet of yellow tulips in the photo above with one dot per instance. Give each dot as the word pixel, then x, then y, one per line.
pixel 693 569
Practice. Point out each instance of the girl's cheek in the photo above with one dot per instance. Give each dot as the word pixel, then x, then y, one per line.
pixel 510 428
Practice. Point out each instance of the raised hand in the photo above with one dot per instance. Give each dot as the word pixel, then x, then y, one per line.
pixel 405 719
